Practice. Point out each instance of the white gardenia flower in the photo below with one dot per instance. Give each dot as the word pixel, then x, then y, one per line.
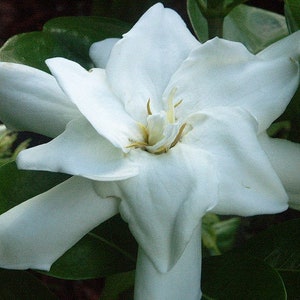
pixel 162 130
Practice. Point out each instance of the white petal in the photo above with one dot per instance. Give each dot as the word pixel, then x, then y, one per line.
pixel 37 232
pixel 31 100
pixel 248 184
pixel 141 64
pixel 165 202
pixel 93 97
pixel 288 47
pixel 100 52
pixel 285 158
pixel 224 73
pixel 80 150
pixel 182 282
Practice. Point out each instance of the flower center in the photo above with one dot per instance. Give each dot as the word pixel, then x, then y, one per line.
pixel 162 131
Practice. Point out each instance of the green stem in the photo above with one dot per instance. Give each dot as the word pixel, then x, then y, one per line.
pixel 215 18
pixel 215 27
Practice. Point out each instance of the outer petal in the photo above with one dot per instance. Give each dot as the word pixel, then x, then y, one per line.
pixel 248 184
pixel 141 64
pixel 285 158
pixel 165 202
pixel 288 47
pixel 224 73
pixel 93 97
pixel 41 105
pixel 37 232
pixel 182 282
pixel 100 52
pixel 80 150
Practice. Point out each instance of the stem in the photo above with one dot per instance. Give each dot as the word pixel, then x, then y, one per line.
pixel 215 18
pixel 181 282
pixel 215 27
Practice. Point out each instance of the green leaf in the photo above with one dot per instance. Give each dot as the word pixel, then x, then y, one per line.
pixel 79 33
pixel 254 27
pixel 198 21
pixel 108 249
pixel 68 37
pixel 22 285
pixel 117 284
pixel 292 14
pixel 32 49
pixel 279 246
pixel 234 276
pixel 292 283
pixel 16 186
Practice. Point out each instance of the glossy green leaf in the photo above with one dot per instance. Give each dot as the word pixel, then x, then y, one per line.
pixel 255 28
pixel 20 285
pixel 234 276
pixel 78 33
pixel 16 186
pixel 292 14
pixel 108 249
pixel 198 21
pixel 68 37
pixel 32 49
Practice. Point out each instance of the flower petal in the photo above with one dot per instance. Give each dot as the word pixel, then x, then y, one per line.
pixel 285 158
pixel 141 65
pixel 165 202
pixel 224 73
pixel 80 150
pixel 100 52
pixel 182 282
pixel 37 232
pixel 93 97
pixel 41 105
pixel 248 184
pixel 288 47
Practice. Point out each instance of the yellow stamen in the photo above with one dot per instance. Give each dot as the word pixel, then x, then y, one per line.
pixel 149 108
pixel 178 103
pixel 137 145
pixel 144 130
pixel 170 111
pixel 178 136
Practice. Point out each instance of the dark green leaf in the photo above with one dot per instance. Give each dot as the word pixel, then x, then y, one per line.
pixel 107 250
pixel 198 21
pixel 292 14
pixel 32 49
pixel 17 186
pixel 234 276
pixel 292 284
pixel 279 246
pixel 79 33
pixel 68 37
pixel 20 285
pixel 117 284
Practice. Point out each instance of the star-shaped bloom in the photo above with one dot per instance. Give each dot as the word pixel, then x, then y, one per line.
pixel 162 130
